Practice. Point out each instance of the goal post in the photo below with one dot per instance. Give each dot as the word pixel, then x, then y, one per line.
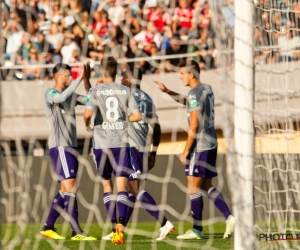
pixel 242 183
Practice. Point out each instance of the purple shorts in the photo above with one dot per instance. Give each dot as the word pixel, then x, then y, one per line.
pixel 112 160
pixel 137 160
pixel 64 162
pixel 202 164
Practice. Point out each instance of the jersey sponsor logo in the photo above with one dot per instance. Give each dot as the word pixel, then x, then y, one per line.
pixel 111 92
pixel 192 96
pixel 193 103
pixel 113 125
pixel 52 92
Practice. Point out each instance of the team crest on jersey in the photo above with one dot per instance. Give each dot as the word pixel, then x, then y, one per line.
pixel 52 92
pixel 193 103
pixel 143 96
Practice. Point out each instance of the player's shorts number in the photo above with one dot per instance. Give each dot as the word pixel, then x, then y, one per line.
pixel 112 106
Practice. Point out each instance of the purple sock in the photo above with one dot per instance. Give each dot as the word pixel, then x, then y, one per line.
pixel 196 210
pixel 149 204
pixel 217 198
pixel 122 203
pixel 110 205
pixel 72 211
pixel 131 201
pixel 56 206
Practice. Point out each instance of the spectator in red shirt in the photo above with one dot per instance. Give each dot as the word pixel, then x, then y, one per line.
pixel 146 37
pixel 183 19
pixel 102 24
pixel 160 18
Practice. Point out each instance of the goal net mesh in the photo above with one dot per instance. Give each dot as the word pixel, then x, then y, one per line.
pixel 276 117
pixel 28 185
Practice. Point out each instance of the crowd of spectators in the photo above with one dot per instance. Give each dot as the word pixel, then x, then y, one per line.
pixel 149 31
pixel 51 31
pixel 277 31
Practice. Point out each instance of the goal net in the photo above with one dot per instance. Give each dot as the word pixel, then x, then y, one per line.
pixel 257 127
pixel 275 29
pixel 28 184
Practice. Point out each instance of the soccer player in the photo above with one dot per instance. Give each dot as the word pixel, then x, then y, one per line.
pixel 60 102
pixel 139 152
pixel 114 107
pixel 200 152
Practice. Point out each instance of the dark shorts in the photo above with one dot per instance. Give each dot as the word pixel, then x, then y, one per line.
pixel 112 160
pixel 202 164
pixel 137 160
pixel 64 162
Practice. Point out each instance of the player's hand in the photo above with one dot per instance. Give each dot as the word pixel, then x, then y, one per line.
pixel 99 81
pixel 160 86
pixel 151 160
pixel 87 70
pixel 183 158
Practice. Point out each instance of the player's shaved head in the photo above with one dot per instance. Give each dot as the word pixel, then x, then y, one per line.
pixel 190 66
pixel 61 67
pixel 109 67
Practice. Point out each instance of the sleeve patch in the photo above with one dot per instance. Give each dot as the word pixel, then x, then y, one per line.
pixel 88 98
pixel 52 92
pixel 193 103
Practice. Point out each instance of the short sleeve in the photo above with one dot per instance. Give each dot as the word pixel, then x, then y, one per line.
pixel 194 101
pixel 49 95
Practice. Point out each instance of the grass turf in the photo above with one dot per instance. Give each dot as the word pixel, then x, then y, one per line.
pixel 19 238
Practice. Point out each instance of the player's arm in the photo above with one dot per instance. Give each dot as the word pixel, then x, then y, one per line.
pixel 156 134
pixel 88 113
pixel 135 116
pixel 87 117
pixel 61 97
pixel 81 99
pixel 193 128
pixel 86 76
pixel 134 113
pixel 176 96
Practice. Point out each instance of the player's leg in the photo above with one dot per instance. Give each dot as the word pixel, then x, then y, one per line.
pixel 193 186
pixel 132 187
pixel 146 200
pixel 109 201
pixel 69 161
pixel 208 170
pixel 217 198
pixel 104 169
pixel 122 171
pixel 57 204
pixel 194 182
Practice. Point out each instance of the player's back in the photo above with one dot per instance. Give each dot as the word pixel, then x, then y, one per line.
pixel 201 98
pixel 114 104
pixel 138 131
pixel 61 119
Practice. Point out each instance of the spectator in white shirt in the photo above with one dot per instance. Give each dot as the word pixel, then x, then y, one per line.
pixel 68 48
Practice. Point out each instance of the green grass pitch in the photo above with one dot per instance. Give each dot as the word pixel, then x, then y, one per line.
pixel 19 238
